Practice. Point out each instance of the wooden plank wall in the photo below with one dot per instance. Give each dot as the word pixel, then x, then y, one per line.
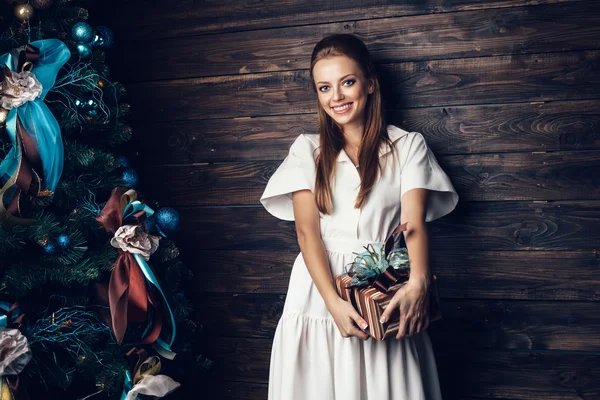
pixel 507 94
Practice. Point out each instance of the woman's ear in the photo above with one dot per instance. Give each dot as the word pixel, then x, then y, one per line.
pixel 371 85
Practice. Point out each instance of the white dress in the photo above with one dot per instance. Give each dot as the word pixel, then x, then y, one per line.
pixel 310 360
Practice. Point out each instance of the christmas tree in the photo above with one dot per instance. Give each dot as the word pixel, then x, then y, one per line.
pixel 92 293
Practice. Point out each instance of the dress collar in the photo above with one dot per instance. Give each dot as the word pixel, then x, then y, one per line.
pixel 394 134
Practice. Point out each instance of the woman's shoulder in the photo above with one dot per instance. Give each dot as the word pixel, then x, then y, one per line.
pixel 402 140
pixel 305 145
pixel 407 141
pixel 395 133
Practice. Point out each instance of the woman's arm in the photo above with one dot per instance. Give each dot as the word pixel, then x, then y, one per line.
pixel 416 236
pixel 306 215
pixel 308 229
pixel 412 299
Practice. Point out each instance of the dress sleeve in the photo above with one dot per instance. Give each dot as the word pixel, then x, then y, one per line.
pixel 296 172
pixel 421 170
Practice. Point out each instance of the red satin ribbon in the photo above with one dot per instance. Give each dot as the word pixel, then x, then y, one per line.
pixel 30 170
pixel 30 54
pixel 389 243
pixel 389 278
pixel 128 295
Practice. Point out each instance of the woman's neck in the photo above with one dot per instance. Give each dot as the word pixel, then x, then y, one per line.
pixel 353 133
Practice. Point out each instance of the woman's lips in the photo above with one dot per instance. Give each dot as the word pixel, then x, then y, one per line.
pixel 344 109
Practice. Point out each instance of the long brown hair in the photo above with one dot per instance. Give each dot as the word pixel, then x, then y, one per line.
pixel 331 136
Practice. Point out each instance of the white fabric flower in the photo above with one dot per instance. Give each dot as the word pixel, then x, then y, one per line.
pixel 153 385
pixel 133 239
pixel 18 88
pixel 14 352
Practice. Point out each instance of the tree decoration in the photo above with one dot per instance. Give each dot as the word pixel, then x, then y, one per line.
pixel 63 151
pixel 24 12
pixel 82 33
pixel 103 37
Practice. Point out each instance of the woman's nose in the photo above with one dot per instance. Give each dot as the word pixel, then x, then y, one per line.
pixel 337 94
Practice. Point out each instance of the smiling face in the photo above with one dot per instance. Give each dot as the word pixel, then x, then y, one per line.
pixel 342 89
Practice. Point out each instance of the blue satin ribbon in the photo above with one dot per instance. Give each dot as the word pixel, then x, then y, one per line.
pixel 4 318
pixel 163 348
pixel 127 385
pixel 35 115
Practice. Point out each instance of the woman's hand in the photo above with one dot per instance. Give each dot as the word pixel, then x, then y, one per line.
pixel 347 319
pixel 412 299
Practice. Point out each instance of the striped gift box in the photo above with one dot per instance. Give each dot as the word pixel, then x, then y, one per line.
pixel 371 303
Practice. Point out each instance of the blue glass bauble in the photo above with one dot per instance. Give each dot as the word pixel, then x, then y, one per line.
pixel 63 241
pixel 82 32
pixel 84 50
pixel 103 37
pixel 50 248
pixel 167 221
pixel 124 161
pixel 130 177
pixel 150 224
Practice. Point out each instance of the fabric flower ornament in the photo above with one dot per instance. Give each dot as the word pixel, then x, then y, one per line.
pixel 153 385
pixel 18 88
pixel 143 376
pixel 14 352
pixel 133 239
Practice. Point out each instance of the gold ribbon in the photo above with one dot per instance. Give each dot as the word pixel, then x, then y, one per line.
pixel 5 393
pixel 150 366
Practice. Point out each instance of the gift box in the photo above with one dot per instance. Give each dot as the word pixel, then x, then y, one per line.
pixel 372 281
pixel 371 302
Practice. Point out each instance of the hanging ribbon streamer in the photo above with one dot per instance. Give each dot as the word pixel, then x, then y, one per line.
pixel 35 162
pixel 142 377
pixel 10 315
pixel 128 295
pixel 12 319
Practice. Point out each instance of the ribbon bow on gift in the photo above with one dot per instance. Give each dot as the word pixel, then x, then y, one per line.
pixel 145 378
pixel 129 297
pixel 35 162
pixel 381 266
pixel 14 350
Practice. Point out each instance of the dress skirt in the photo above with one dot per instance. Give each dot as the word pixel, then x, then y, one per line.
pixel 310 360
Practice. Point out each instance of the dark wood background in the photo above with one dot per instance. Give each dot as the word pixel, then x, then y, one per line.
pixel 507 94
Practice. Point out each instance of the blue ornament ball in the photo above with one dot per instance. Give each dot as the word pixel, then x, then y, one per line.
pixel 150 225
pixel 63 241
pixel 84 50
pixel 167 221
pixel 82 32
pixel 50 248
pixel 124 161
pixel 103 37
pixel 130 177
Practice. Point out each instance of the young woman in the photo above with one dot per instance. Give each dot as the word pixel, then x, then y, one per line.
pixel 349 186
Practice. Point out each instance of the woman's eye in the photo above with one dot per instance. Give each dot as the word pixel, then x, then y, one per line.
pixel 351 81
pixel 321 88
